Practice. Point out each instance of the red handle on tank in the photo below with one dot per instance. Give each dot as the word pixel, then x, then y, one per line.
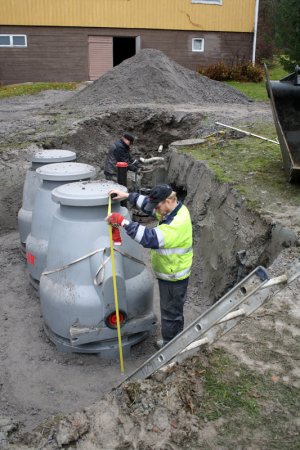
pixel 116 236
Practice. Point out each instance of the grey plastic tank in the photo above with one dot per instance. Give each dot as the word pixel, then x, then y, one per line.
pixel 52 176
pixel 76 289
pixel 32 183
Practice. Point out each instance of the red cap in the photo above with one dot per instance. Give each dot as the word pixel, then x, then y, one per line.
pixel 122 164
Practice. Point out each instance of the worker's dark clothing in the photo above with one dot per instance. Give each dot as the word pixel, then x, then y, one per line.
pixel 172 298
pixel 118 152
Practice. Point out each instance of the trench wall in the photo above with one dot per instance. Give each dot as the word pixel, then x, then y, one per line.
pixel 151 128
pixel 223 227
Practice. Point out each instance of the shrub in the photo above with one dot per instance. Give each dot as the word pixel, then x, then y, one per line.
pixel 241 71
pixel 217 71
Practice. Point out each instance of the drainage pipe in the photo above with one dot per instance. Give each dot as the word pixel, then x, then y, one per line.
pixel 150 160
pixel 122 168
pixel 122 173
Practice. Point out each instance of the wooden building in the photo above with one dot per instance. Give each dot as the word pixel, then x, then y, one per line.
pixel 76 40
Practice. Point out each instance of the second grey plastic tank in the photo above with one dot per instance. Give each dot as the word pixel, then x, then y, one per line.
pixel 52 176
pixel 76 288
pixel 32 183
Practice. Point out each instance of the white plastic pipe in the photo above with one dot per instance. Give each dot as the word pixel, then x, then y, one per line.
pixel 247 133
pixel 150 160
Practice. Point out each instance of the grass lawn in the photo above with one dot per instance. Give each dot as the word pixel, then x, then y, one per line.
pixel 247 407
pixel 32 88
pixel 257 91
pixel 252 166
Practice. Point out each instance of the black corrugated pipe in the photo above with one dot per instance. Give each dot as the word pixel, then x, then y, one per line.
pixel 122 177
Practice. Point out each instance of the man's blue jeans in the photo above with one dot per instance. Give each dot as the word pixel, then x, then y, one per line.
pixel 172 298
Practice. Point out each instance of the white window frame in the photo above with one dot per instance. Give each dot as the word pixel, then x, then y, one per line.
pixel 11 36
pixel 209 2
pixel 202 47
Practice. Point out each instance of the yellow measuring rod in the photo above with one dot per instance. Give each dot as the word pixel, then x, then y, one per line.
pixel 112 255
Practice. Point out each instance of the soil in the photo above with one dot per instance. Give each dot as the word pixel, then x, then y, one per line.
pixel 41 388
pixel 167 82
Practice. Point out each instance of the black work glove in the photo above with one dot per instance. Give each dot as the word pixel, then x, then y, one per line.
pixel 135 166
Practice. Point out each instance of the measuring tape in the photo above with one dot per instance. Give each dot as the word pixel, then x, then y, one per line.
pixel 113 265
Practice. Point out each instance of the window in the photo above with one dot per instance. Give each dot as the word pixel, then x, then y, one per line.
pixel 13 40
pixel 208 2
pixel 198 45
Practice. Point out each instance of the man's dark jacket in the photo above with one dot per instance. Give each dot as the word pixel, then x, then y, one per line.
pixel 119 152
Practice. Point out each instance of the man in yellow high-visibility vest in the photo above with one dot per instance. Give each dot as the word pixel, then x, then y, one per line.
pixel 171 245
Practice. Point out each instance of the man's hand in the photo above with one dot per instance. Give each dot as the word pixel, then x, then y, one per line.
pixel 120 195
pixel 136 166
pixel 116 220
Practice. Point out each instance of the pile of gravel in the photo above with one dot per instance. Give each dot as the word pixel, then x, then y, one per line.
pixel 151 77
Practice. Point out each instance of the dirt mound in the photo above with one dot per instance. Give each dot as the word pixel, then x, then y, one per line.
pixel 151 77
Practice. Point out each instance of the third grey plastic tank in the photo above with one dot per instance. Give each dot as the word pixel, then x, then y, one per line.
pixel 32 183
pixel 52 176
pixel 76 289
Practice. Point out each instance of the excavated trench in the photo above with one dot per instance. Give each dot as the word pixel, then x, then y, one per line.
pixel 152 127
pixel 230 240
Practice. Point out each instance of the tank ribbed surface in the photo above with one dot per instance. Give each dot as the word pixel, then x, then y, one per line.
pixel 52 156
pixel 66 171
pixel 89 193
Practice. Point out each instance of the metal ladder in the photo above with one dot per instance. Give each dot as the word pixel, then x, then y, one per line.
pixel 239 302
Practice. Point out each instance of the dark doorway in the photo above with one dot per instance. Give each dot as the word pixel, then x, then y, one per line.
pixel 123 48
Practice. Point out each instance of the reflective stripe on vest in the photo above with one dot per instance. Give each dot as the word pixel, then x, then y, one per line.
pixel 140 233
pixel 173 251
pixel 140 200
pixel 173 276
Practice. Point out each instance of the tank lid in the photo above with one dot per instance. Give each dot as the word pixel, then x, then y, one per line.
pixel 68 171
pixel 51 156
pixel 85 193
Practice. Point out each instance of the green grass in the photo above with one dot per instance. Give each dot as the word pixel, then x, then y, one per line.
pixel 252 166
pixel 277 72
pixel 32 88
pixel 252 408
pixel 224 394
pixel 257 91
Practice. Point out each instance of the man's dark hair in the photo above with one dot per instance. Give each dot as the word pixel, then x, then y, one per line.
pixel 129 136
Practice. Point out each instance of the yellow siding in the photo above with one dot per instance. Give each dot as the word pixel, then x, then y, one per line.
pixel 233 15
